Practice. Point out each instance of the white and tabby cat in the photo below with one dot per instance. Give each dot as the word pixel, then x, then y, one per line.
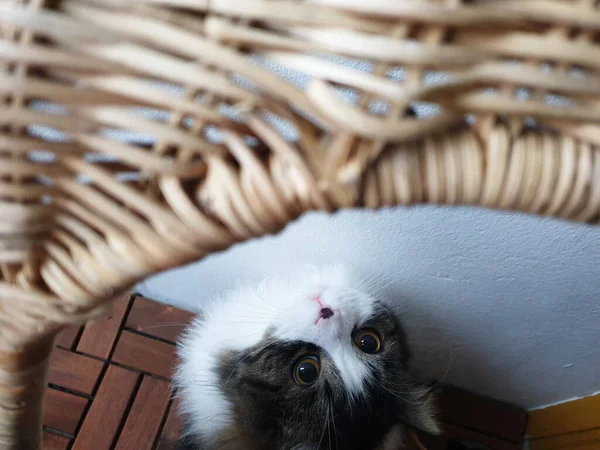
pixel 309 363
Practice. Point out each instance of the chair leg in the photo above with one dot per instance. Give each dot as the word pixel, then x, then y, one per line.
pixel 23 380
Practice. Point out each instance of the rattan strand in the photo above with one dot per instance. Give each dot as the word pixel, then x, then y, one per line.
pixel 139 135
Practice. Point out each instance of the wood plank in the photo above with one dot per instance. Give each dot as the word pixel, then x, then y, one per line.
pixel 465 435
pixel 592 446
pixel 458 434
pixel 63 411
pixel 98 337
pixel 102 421
pixel 146 415
pixel 55 442
pixel 570 417
pixel 145 354
pixel 583 446
pixel 468 410
pixel 410 443
pixel 67 337
pixel 572 440
pixel 156 319
pixel 75 372
pixel 432 442
pixel 172 429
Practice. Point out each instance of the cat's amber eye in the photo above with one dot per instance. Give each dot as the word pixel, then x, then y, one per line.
pixel 368 341
pixel 306 370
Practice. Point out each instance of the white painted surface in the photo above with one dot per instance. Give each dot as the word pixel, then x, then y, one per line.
pixel 516 297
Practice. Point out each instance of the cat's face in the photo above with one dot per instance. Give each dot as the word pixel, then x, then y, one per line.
pixel 329 371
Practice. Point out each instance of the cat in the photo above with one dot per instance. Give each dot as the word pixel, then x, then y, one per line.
pixel 312 362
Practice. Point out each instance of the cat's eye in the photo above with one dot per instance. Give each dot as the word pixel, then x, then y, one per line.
pixel 306 370
pixel 367 341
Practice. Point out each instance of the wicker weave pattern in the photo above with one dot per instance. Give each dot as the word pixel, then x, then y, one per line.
pixel 138 135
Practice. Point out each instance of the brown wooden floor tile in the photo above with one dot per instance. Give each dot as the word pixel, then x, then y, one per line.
pixel 172 429
pixel 55 442
pixel 123 409
pixel 433 442
pixel 145 354
pixel 468 435
pixel 75 372
pixel 98 337
pixel 494 418
pixel 63 411
pixel 439 443
pixel 102 422
pixel 67 337
pixel 157 319
pixel 146 415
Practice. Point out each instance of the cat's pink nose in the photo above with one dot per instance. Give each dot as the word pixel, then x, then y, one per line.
pixel 326 313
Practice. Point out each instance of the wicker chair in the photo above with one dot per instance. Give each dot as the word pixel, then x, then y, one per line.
pixel 139 135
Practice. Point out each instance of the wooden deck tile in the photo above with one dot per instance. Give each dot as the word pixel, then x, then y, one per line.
pixel 498 419
pixel 55 442
pixel 467 435
pixel 145 354
pixel 172 429
pixel 156 319
pixel 112 391
pixel 63 411
pixel 452 434
pixel 146 415
pixel 75 372
pixel 67 337
pixel 98 337
pixel 107 412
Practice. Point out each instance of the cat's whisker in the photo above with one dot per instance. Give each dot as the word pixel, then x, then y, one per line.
pixel 373 283
pixel 350 403
pixel 243 337
pixel 307 295
pixel 335 433
pixel 323 433
pixel 165 324
pixel 255 316
pixel 257 310
pixel 441 380
pixel 367 282
pixel 387 310
pixel 427 389
pixel 240 323
pixel 209 387
pixel 272 342
pixel 329 431
pixel 415 391
pixel 259 307
pixel 380 289
pixel 214 416
pixel 404 399
pixel 376 286
pixel 271 305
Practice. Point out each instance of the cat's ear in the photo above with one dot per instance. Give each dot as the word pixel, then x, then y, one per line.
pixel 419 412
